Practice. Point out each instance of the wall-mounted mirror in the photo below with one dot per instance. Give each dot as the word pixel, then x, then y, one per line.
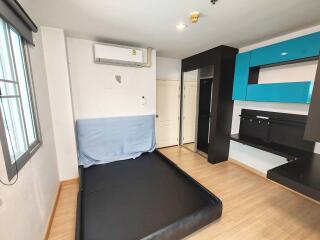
pixel 189 109
pixel 196 109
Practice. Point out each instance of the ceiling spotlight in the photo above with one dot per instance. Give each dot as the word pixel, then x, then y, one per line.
pixel 181 26
pixel 213 1
pixel 195 17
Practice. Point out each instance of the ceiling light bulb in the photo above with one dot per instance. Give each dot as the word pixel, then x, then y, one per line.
pixel 181 26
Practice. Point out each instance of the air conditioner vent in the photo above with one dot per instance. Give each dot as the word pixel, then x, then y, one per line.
pixel 121 55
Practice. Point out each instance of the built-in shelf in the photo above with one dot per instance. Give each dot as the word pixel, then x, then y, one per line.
pixel 281 150
pixel 303 176
pixel 282 134
pixel 301 173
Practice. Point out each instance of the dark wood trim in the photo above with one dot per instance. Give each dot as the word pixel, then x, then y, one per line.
pixel 254 75
pixel 312 131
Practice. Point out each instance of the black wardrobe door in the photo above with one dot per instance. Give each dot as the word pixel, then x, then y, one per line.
pixel 312 131
pixel 204 114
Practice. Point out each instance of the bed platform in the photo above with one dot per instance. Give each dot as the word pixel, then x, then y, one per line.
pixel 144 198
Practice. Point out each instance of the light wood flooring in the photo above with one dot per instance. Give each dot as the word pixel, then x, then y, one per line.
pixel 64 220
pixel 253 207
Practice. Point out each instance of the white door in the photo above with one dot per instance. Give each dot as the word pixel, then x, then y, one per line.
pixel 189 111
pixel 168 112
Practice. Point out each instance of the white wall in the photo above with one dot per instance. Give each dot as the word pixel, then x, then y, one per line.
pixel 95 91
pixel 255 158
pixel 168 69
pixel 26 206
pixel 289 73
pixel 55 55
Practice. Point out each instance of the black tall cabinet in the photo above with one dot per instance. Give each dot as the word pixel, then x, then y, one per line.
pixel 222 59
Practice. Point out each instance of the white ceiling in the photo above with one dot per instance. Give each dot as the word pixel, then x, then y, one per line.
pixel 152 22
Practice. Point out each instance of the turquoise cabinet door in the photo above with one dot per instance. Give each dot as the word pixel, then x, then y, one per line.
pixel 301 48
pixel 298 48
pixel 241 76
pixel 295 92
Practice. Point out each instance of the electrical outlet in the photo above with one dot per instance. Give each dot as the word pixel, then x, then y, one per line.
pixel 143 100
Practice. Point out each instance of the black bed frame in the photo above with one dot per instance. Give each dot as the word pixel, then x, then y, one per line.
pixel 191 227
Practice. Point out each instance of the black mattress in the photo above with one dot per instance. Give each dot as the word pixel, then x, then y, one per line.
pixel 145 198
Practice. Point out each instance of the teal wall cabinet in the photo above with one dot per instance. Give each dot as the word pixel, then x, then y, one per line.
pixel 241 76
pixel 246 85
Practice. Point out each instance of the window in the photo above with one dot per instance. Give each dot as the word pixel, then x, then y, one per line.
pixel 19 131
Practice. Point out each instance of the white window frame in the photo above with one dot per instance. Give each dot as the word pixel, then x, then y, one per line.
pixel 14 167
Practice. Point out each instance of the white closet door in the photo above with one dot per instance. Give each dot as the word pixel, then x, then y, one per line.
pixel 189 111
pixel 168 111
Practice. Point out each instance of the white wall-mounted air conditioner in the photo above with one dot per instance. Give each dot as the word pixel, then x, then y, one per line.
pixel 122 55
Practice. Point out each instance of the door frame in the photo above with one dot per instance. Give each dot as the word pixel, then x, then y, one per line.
pixel 179 110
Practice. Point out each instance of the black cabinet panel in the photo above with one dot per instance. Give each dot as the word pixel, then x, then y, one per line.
pixel 206 72
pixel 312 131
pixel 273 127
pixel 301 175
